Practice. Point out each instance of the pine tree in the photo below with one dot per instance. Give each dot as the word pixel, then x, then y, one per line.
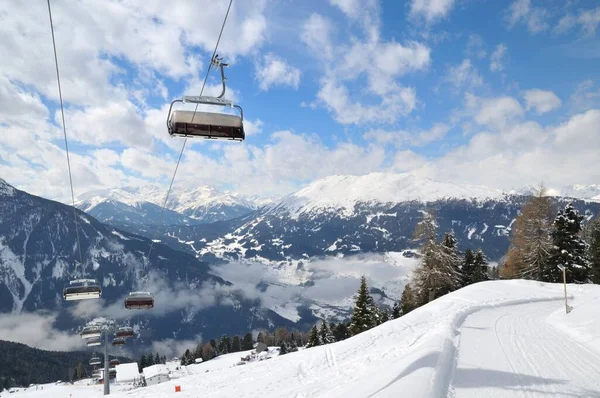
pixel 157 358
pixel 314 339
pixel 439 270
pixel 235 344
pixel 468 267
pixel 213 344
pixel 341 332
pixel 144 363
pixel 569 249
pixel 260 338
pixel 363 313
pixel 283 348
pixel 325 335
pixel 396 311
pixel 592 237
pixel 480 268
pixel 224 345
pixel 385 316
pixel 150 358
pixel 531 241
pixel 408 301
pixel 247 343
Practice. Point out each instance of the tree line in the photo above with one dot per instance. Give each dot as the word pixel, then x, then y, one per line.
pixel 545 238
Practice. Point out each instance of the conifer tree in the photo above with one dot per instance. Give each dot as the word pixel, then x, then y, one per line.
pixel 224 345
pixel 150 358
pixel 592 237
pixel 341 332
pixel 143 363
pixel 157 358
pixel 531 242
pixel 247 342
pixel 325 334
pixel 396 311
pixel 439 270
pixel 213 344
pixel 468 267
pixel 314 339
pixel 385 316
pixel 363 317
pixel 235 344
pixel 408 301
pixel 569 249
pixel 480 268
pixel 260 338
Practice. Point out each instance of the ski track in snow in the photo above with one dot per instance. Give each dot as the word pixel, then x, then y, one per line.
pixel 515 352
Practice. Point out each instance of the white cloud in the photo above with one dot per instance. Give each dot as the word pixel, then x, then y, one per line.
pixel 382 63
pixel 413 138
pixel 431 10
pixel 588 20
pixel 498 58
pixel 275 71
pixel 475 46
pixel 521 11
pixel 496 112
pixel 541 101
pixel 37 330
pixel 464 76
pixel 586 96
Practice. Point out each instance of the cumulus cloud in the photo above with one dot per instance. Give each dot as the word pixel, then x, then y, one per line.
pixel 523 12
pixel 37 330
pixel 275 71
pixel 407 137
pixel 464 76
pixel 541 101
pixel 498 58
pixel 431 10
pixel 587 20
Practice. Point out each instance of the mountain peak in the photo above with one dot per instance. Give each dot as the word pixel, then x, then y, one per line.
pixel 345 191
pixel 5 188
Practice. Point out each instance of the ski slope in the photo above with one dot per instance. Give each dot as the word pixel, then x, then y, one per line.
pixel 492 339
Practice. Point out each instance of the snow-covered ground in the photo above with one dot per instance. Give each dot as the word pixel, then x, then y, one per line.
pixel 492 339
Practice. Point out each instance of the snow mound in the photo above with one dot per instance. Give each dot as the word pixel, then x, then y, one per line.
pixel 344 192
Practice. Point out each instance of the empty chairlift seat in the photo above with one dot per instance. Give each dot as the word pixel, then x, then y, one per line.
pixel 114 362
pixel 139 300
pixel 94 342
pixel 82 289
pixel 124 332
pixel 95 361
pixel 91 332
pixel 206 124
pixel 119 341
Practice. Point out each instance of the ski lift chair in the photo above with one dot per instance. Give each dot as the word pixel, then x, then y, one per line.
pixel 118 342
pixel 94 342
pixel 209 125
pixel 82 289
pixel 139 300
pixel 95 361
pixel 125 332
pixel 90 332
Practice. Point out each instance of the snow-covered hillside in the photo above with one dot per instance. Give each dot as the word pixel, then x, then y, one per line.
pixel 337 193
pixel 500 339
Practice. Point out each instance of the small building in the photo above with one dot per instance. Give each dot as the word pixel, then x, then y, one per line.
pixel 156 374
pixel 127 372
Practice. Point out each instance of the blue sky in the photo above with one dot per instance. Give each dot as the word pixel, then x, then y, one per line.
pixel 471 91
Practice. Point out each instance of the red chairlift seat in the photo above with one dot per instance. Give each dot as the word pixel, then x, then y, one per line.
pixel 139 300
pixel 82 289
pixel 125 332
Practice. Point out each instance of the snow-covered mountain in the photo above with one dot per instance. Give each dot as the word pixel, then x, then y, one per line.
pixel 39 255
pixel 138 208
pixel 344 215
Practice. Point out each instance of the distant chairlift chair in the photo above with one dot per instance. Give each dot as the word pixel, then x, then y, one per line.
pixel 139 300
pixel 82 289
pixel 94 342
pixel 125 332
pixel 91 332
pixel 207 124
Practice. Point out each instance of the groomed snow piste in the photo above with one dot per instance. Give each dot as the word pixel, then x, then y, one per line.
pixel 492 339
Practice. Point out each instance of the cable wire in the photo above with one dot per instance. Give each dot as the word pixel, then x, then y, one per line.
pixel 62 112
pixel 185 140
